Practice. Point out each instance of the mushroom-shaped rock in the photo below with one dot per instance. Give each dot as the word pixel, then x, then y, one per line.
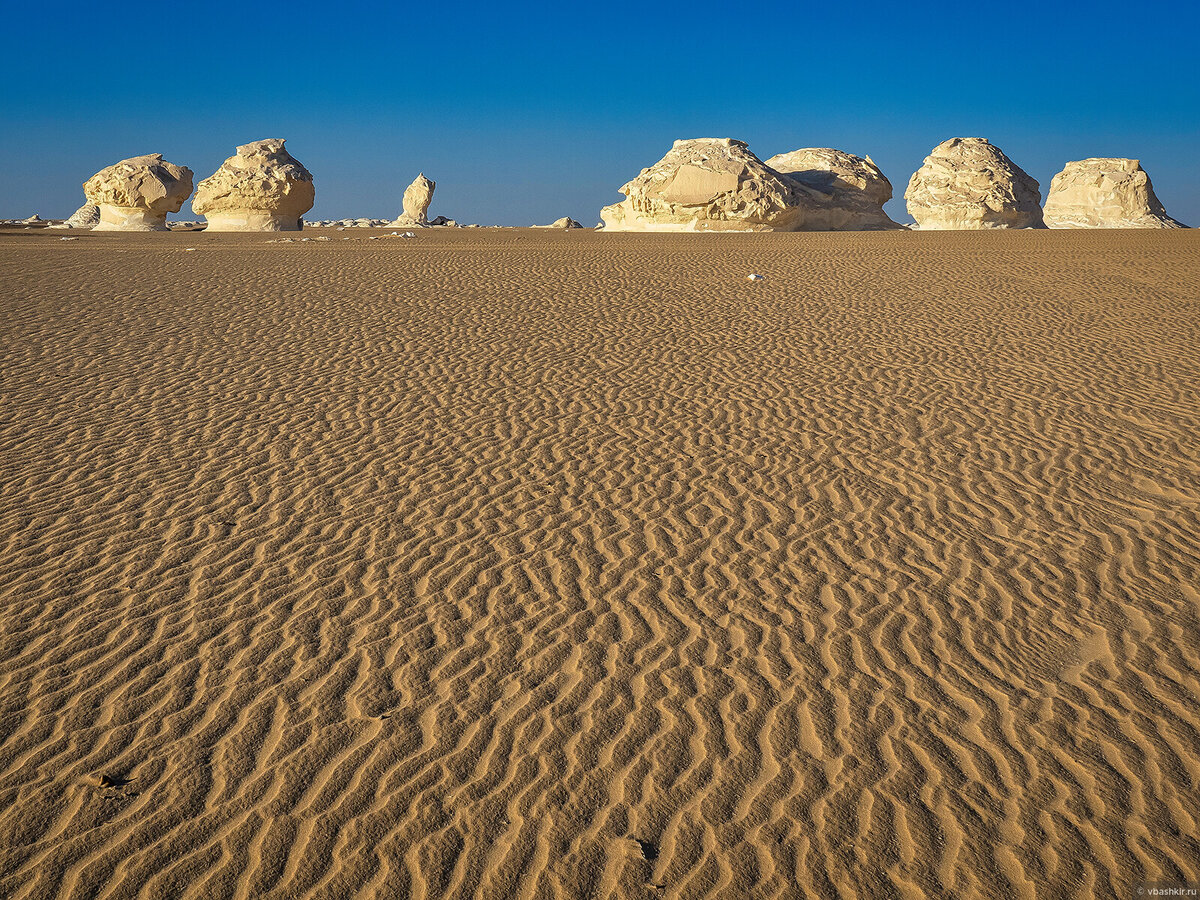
pixel 566 222
pixel 967 183
pixel 136 194
pixel 709 184
pixel 262 188
pixel 846 192
pixel 1105 193
pixel 417 197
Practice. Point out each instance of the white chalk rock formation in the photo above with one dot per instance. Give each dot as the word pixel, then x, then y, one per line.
pixel 967 183
pixel 709 184
pixel 137 193
pixel 845 192
pixel 262 188
pixel 417 197
pixel 87 216
pixel 1105 193
pixel 566 222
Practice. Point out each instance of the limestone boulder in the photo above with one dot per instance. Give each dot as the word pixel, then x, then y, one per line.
pixel 87 216
pixel 1105 193
pixel 415 205
pixel 136 194
pixel 262 188
pixel 565 223
pixel 844 192
pixel 968 183
pixel 709 184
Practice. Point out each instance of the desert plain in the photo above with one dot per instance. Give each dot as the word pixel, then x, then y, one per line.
pixel 507 563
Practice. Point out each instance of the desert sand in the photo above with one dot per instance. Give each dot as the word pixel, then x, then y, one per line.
pixel 563 564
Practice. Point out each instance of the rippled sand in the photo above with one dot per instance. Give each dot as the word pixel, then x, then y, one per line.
pixel 527 564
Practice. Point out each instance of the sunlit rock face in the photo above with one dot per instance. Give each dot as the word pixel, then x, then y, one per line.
pixel 845 192
pixel 415 204
pixel 262 188
pixel 1105 193
pixel 708 184
pixel 967 183
pixel 136 194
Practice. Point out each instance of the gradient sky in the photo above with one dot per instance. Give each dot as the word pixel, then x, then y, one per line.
pixel 524 113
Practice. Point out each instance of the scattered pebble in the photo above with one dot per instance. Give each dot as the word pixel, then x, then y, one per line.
pixel 649 851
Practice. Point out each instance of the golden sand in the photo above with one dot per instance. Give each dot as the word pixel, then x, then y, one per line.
pixel 516 564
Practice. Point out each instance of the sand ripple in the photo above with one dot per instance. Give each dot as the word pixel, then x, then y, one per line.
pixel 532 565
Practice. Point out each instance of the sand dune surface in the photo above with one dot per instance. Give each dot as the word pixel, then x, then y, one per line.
pixel 526 564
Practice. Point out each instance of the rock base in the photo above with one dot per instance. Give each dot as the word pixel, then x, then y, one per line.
pixel 252 220
pixel 124 218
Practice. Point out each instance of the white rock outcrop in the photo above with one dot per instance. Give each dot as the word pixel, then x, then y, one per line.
pixel 136 194
pixel 968 183
pixel 415 205
pixel 87 216
pixel 262 188
pixel 1105 193
pixel 845 192
pixel 709 184
pixel 566 222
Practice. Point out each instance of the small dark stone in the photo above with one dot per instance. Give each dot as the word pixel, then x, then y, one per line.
pixel 649 851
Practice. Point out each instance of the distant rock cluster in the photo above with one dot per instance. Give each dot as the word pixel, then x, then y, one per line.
pixel 718 184
pixel 566 223
pixel 702 184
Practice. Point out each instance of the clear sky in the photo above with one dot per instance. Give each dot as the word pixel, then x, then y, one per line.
pixel 526 112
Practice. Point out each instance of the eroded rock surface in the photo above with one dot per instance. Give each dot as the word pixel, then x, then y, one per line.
pixel 708 184
pixel 87 216
pixel 415 205
pixel 1105 193
pixel 261 188
pixel 968 183
pixel 845 192
pixel 136 194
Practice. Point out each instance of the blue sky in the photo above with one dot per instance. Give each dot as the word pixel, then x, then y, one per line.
pixel 524 113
